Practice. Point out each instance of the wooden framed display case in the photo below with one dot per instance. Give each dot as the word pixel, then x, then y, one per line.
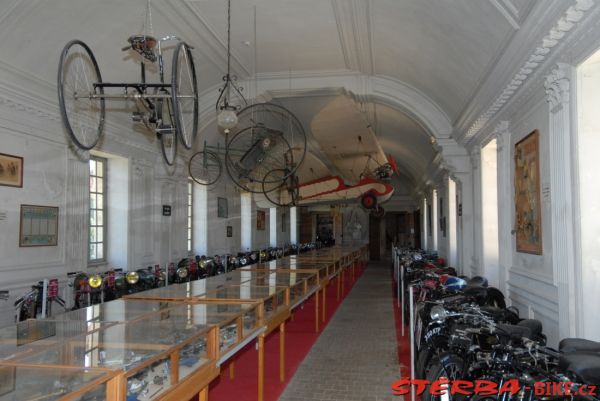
pixel 191 289
pixel 167 356
pixel 32 335
pixel 116 311
pixel 274 300
pixel 20 382
pixel 303 284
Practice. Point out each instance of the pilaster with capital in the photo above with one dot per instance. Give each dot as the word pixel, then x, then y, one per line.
pixel 558 87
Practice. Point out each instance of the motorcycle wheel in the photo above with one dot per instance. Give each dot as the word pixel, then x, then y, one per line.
pixel 450 366
pixel 425 359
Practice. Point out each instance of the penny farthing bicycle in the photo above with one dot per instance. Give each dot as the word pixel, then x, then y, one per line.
pixel 168 108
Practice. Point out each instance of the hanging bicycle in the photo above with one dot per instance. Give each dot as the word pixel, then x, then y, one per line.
pixel 169 108
pixel 261 155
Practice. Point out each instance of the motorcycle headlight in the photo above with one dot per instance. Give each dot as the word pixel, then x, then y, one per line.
pixel 438 313
pixel 263 254
pixel 95 281
pixel 132 277
pixel 243 260
pixel 203 264
pixel 232 260
pixel 253 256
pixel 182 272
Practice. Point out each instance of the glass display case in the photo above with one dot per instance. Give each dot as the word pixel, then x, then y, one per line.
pixel 31 335
pixel 155 353
pixel 323 269
pixel 274 300
pixel 119 310
pixel 186 291
pixel 236 321
pixel 50 383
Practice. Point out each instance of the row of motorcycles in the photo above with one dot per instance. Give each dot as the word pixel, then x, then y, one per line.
pixel 91 289
pixel 465 333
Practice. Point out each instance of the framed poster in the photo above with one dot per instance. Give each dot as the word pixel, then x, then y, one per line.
pixel 528 216
pixel 229 231
pixel 260 220
pixel 7 379
pixel 39 226
pixel 222 208
pixel 11 170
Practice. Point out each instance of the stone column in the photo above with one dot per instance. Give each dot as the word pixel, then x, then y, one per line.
pixel 505 204
pixel 558 95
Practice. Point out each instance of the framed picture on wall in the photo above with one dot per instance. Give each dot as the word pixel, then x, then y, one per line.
pixel 7 379
pixel 11 170
pixel 528 216
pixel 229 231
pixel 39 226
pixel 260 220
pixel 222 207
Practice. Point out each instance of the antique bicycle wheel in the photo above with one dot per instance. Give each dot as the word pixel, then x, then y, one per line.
pixel 185 95
pixel 205 167
pixel 82 114
pixel 268 137
pixel 280 188
pixel 166 132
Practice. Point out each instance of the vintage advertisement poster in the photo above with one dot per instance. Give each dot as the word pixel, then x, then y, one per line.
pixel 528 224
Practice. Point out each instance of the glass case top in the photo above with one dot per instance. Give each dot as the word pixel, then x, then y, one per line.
pixel 291 263
pixel 19 383
pixel 34 334
pixel 197 288
pixel 119 310
pixel 247 292
pixel 124 345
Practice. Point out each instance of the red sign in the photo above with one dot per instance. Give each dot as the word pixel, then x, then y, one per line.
pixel 53 288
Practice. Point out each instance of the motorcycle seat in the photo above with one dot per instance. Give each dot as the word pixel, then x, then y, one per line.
pixel 477 281
pixel 578 344
pixel 513 331
pixel 476 292
pixel 534 325
pixel 585 365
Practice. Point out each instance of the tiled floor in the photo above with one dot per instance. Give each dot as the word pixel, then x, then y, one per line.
pixel 355 358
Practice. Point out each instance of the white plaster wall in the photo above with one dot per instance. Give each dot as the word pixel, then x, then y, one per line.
pixel 530 278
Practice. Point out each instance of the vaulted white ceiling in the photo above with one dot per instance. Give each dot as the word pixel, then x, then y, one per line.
pixel 443 49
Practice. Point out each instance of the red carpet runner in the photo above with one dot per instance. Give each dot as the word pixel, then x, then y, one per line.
pixel 299 338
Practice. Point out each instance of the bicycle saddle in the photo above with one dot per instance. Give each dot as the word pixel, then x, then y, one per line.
pixel 144 45
pixel 567 345
pixel 584 365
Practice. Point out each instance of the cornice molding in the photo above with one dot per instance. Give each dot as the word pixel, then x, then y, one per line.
pixel 353 19
pixel 565 24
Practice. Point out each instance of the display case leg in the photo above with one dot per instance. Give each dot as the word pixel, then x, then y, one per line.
pixel 324 292
pixel 317 312
pixel 232 369
pixel 343 281
pixel 203 394
pixel 261 367
pixel 282 352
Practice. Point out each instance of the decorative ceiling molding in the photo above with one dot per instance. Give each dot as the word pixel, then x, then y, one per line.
pixel 572 16
pixel 354 22
pixel 508 11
